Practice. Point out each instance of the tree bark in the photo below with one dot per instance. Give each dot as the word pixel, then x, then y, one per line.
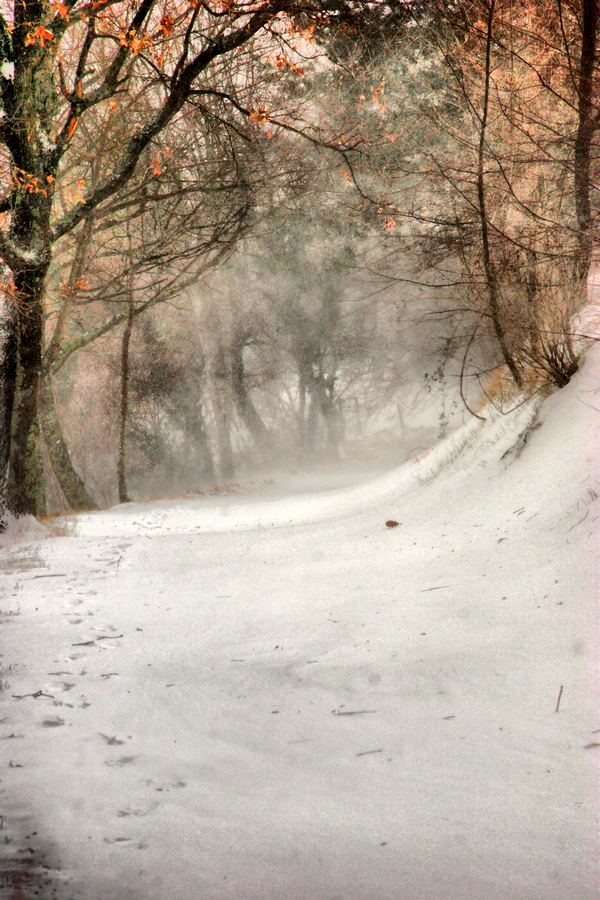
pixel 8 382
pixel 488 265
pixel 71 484
pixel 222 408
pixel 124 409
pixel 25 493
pixel 245 407
pixel 586 128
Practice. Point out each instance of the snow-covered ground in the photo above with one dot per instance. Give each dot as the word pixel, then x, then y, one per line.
pixel 233 699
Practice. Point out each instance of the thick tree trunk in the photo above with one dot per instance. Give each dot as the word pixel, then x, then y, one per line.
pixel 245 407
pixel 8 382
pixel 25 493
pixel 70 483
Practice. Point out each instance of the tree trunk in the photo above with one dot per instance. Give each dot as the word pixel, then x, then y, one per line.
pixel 25 493
pixel 122 460
pixel 488 264
pixel 8 378
pixel 586 128
pixel 245 407
pixel 71 484
pixel 197 428
pixel 221 401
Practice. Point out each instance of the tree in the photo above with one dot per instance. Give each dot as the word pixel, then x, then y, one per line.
pixel 153 240
pixel 493 145
pixel 65 63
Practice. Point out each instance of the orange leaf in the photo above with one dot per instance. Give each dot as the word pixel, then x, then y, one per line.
pixel 72 126
pixel 260 115
pixel 61 9
pixel 166 24
pixel 40 35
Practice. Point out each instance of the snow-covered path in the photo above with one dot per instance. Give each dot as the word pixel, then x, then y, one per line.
pixel 291 701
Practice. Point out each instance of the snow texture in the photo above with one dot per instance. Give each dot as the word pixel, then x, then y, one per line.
pixel 227 699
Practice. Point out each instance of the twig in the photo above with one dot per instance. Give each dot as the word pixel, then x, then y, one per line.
pixel 558 701
pixel 580 521
pixel 103 637
pixel 439 588
pixel 35 696
pixel 353 712
pixel 53 575
pixel 368 752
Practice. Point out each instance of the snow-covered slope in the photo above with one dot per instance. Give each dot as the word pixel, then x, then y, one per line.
pixel 288 700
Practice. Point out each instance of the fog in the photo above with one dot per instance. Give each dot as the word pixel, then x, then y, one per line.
pixel 292 359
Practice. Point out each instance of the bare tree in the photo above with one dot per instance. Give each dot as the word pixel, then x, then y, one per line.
pixel 61 65
pixel 493 136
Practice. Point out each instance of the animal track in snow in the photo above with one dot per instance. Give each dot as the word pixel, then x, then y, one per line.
pixel 53 722
pixel 143 811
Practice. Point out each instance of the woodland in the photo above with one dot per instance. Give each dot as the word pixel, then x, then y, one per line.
pixel 236 234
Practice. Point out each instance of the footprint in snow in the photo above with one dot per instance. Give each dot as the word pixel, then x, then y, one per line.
pixel 53 722
pixel 122 761
pixel 111 741
pixel 126 842
pixel 164 787
pixel 150 807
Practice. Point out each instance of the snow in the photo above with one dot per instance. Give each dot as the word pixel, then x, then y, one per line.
pixel 22 528
pixel 226 698
pixel 7 70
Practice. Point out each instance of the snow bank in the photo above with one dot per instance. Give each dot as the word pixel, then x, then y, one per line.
pixel 22 528
pixel 487 440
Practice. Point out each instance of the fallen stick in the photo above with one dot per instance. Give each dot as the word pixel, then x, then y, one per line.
pixel 558 701
pixel 53 575
pixel 35 696
pixel 103 637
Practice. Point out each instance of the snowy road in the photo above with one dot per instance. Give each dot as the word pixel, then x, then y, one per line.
pixel 290 701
